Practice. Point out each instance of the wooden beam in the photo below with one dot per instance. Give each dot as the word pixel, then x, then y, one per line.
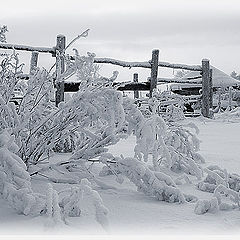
pixel 33 63
pixel 179 80
pixel 128 86
pixel 119 62
pixel 154 71
pixel 27 48
pixel 135 79
pixel 180 66
pixel 146 64
pixel 192 78
pixel 205 88
pixel 60 67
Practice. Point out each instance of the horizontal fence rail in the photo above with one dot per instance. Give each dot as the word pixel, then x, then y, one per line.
pixel 174 80
pixel 146 64
pixel 122 63
pixel 28 48
pixel 180 66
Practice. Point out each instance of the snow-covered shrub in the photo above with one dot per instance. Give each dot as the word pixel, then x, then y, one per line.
pixel 233 115
pixel 78 196
pixel 92 118
pixel 221 193
pixel 223 185
pixel 233 196
pixel 167 104
pixel 10 70
pixel 15 185
pixel 203 206
pixel 153 183
pixel 53 210
pixel 171 145
pixel 216 176
pixel 174 113
pixel 182 146
pixel 149 134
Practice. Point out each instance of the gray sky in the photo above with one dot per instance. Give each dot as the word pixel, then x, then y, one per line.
pixel 185 31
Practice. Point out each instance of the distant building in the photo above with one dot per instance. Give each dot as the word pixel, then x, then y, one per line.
pixel 219 79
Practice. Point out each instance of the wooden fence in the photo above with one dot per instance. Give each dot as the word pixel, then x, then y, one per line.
pixel 152 82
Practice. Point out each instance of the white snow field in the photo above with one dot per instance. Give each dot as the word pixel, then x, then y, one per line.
pixel 132 212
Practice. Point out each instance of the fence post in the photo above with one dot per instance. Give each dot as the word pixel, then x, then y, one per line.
pixel 211 90
pixel 154 71
pixel 33 63
pixel 205 88
pixel 135 79
pixel 230 98
pixel 60 67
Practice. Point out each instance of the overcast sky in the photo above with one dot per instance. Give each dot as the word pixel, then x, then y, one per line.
pixel 185 31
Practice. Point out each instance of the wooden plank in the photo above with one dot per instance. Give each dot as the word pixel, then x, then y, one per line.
pixel 33 63
pixel 132 86
pixel 60 67
pixel 27 48
pixel 180 66
pixel 205 88
pixel 179 80
pixel 135 79
pixel 119 62
pixel 146 64
pixel 154 71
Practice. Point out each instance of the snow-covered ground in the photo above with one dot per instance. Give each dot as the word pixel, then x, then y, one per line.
pixel 132 212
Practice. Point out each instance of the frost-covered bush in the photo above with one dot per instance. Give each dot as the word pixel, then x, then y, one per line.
pixel 182 146
pixel 167 104
pixel 74 199
pixel 15 185
pixel 232 195
pixel 216 176
pixel 224 186
pixel 10 70
pixel 171 145
pixel 152 183
pixel 92 118
pixel 203 206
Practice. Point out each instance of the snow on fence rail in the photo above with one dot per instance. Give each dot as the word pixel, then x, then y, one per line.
pixel 135 86
pixel 146 64
pixel 177 80
pixel 28 48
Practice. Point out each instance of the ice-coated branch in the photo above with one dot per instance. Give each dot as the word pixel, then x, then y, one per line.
pixel 83 34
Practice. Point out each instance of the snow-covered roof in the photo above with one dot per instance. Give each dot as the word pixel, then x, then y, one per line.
pixel 219 79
